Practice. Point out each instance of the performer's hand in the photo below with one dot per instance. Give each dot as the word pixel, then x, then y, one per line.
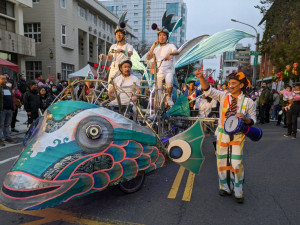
pixel 241 116
pixel 103 56
pixel 155 43
pixel 199 72
pixel 119 51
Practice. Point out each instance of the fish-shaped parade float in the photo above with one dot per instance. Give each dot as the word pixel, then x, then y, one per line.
pixel 77 148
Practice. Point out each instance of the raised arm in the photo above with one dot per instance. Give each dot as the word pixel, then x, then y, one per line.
pixel 150 53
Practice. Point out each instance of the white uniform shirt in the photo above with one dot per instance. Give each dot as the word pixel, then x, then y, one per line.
pixel 165 66
pixel 126 89
pixel 119 56
pixel 220 96
pixel 205 107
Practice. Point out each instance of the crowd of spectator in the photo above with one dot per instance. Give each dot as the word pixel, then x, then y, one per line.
pixel 32 96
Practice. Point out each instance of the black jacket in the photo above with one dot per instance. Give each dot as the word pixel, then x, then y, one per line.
pixel 22 86
pixel 32 101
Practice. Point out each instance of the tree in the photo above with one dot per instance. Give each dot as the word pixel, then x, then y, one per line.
pixel 281 39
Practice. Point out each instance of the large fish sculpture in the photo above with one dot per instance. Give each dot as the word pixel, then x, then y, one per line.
pixel 78 148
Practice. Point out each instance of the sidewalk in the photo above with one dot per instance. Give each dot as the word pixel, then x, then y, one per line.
pixel 21 126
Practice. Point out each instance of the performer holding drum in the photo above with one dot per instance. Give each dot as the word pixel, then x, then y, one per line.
pixel 233 104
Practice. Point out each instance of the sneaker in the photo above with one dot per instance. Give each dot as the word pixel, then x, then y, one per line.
pixel 223 193
pixel 239 200
pixel 14 130
pixel 293 136
pixel 2 143
pixel 10 140
pixel 287 135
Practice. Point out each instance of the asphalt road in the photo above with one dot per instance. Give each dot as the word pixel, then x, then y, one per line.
pixel 272 172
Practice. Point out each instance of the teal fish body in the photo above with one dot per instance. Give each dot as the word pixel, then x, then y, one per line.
pixel 76 149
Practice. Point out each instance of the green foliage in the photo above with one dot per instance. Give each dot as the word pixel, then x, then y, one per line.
pixel 281 38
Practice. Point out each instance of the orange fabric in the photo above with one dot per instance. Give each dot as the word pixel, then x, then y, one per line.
pixel 224 168
pixel 223 144
pixel 225 106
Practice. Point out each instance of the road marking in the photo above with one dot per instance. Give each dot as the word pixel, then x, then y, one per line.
pixel 9 159
pixel 9 145
pixel 189 187
pixel 176 183
pixel 52 214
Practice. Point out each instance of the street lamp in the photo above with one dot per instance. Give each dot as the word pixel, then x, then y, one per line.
pixel 256 56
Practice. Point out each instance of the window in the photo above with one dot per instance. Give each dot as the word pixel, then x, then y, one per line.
pixel 33 69
pixel 100 22
pixel 66 69
pixel 36 1
pixel 124 6
pixel 135 6
pixel 108 28
pixel 81 12
pixel 92 18
pixel 6 24
pixel 7 8
pixel 172 8
pixel 110 8
pixel 135 14
pixel 135 22
pixel 135 30
pixel 91 49
pixel 63 4
pixel 63 34
pixel 33 30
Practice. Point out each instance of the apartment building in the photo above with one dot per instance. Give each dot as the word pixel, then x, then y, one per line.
pixel 14 46
pixel 69 34
pixel 141 14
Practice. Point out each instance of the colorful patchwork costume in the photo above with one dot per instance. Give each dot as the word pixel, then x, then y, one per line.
pixel 230 147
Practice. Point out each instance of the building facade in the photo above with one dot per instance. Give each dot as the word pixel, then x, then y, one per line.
pixel 235 60
pixel 141 14
pixel 69 34
pixel 14 46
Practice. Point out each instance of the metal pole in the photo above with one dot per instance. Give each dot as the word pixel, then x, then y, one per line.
pixel 256 60
pixel 256 49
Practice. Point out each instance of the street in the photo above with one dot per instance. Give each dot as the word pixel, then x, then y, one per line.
pixel 271 192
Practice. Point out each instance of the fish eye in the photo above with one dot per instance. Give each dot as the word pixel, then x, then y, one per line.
pixel 94 131
pixel 94 134
pixel 179 151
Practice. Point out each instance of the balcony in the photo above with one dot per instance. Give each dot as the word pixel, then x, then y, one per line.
pixel 15 43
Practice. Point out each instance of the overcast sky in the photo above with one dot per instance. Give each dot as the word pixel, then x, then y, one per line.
pixel 211 16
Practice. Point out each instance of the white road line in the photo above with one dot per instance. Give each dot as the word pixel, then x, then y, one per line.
pixel 9 159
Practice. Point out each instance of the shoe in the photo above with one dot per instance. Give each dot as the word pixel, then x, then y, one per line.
pixel 14 130
pixel 10 140
pixel 239 200
pixel 224 193
pixel 287 135
pixel 2 143
pixel 293 136
pixel 17 120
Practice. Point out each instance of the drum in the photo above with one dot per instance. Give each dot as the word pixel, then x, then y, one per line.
pixel 235 125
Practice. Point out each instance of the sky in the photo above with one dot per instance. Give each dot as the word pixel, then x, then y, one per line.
pixel 211 16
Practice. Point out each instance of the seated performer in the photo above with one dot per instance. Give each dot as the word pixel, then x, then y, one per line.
pixel 164 53
pixel 124 86
pixel 229 147
pixel 118 52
